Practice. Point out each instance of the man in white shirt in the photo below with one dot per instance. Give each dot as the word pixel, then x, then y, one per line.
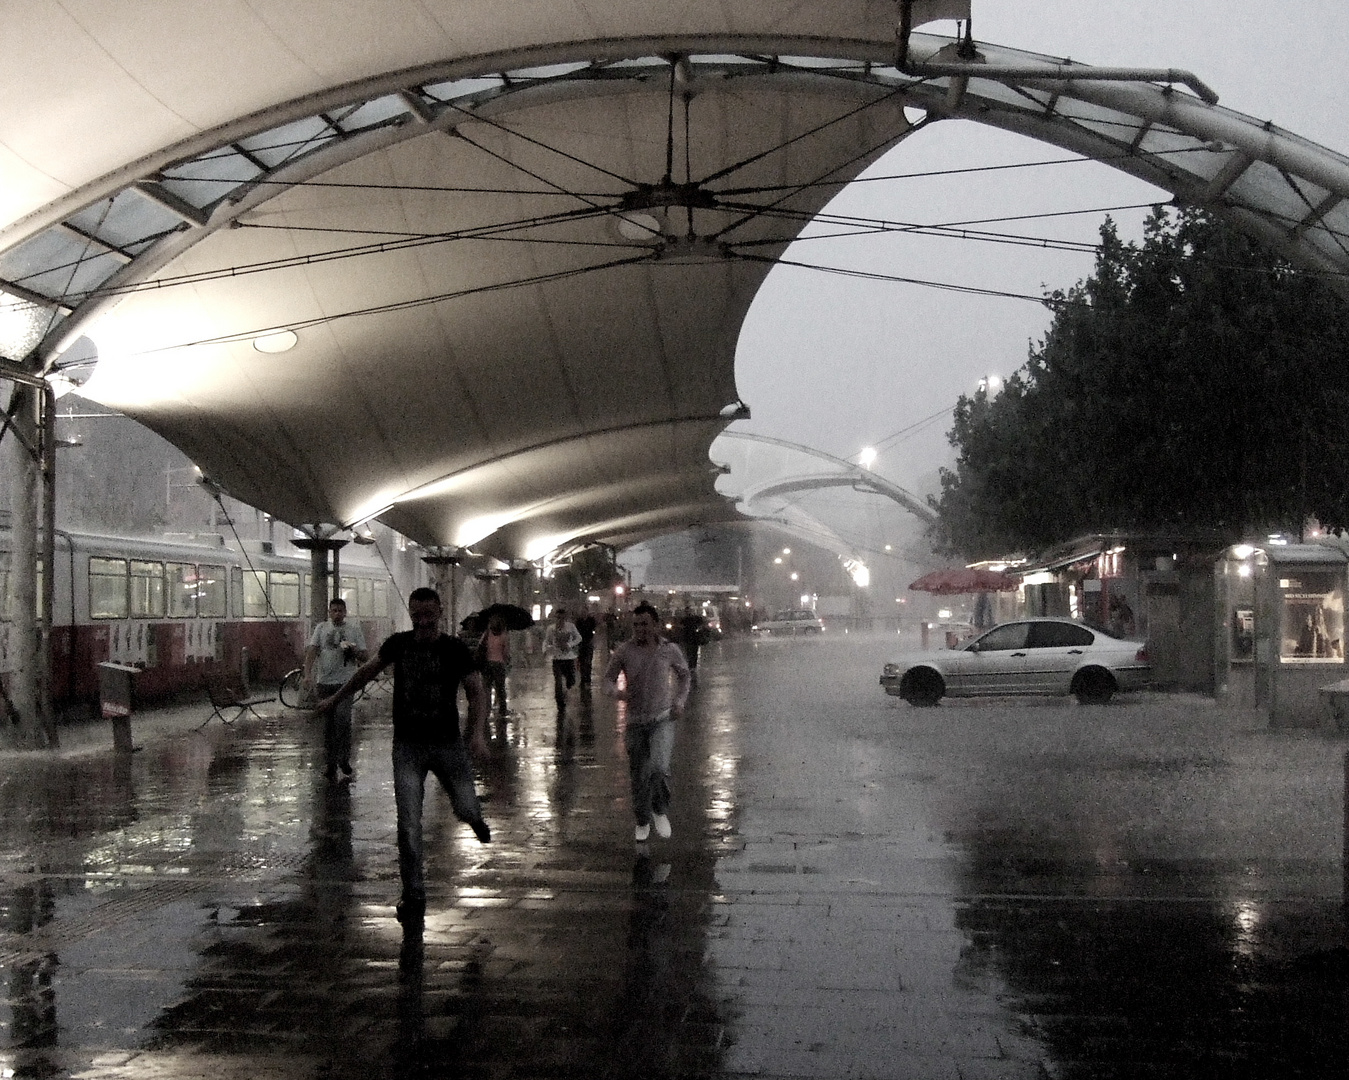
pixel 562 642
pixel 336 650
pixel 657 682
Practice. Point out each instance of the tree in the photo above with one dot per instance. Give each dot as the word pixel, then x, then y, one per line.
pixel 590 570
pixel 1193 382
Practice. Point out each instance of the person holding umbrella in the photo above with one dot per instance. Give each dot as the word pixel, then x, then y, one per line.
pixel 494 653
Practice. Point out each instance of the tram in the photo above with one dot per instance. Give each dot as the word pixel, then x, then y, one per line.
pixel 174 608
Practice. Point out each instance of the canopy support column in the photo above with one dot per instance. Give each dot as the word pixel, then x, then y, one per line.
pixel 31 420
pixel 444 563
pixel 324 584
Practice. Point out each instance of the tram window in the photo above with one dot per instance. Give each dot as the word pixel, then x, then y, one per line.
pixel 255 594
pixel 348 593
pixel 182 582
pixel 211 591
pixel 306 593
pixel 381 595
pixel 285 593
pixel 237 591
pixel 365 599
pixel 147 590
pixel 107 589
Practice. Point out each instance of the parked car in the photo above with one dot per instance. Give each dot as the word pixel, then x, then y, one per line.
pixel 1030 656
pixel 790 623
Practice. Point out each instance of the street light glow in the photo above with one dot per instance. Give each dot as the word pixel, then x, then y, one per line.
pixel 867 457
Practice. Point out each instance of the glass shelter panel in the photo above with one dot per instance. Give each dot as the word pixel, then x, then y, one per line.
pixel 1313 616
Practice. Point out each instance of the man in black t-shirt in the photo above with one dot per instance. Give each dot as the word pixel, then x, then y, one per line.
pixel 428 668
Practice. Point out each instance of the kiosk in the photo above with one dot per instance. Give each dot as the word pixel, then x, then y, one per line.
pixel 1298 630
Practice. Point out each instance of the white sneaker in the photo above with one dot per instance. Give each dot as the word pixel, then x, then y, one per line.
pixel 662 824
pixel 643 831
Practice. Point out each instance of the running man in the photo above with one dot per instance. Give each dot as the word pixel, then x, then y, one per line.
pixel 657 684
pixel 428 668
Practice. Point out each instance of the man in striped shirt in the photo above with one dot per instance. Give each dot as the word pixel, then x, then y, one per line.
pixel 656 686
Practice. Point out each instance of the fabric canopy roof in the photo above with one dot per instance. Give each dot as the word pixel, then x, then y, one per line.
pixel 514 244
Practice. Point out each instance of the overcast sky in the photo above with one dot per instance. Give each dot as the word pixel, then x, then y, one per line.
pixel 839 364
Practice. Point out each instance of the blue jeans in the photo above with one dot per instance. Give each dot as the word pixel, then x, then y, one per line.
pixel 454 769
pixel 649 747
pixel 336 729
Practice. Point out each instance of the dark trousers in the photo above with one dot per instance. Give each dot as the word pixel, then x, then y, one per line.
pixel 495 671
pixel 452 766
pixel 336 730
pixel 585 659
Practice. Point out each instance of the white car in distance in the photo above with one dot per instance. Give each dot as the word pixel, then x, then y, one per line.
pixel 790 624
pixel 1029 656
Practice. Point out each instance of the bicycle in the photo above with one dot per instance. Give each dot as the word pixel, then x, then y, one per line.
pixel 294 694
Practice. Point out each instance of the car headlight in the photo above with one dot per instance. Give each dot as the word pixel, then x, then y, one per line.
pixel 891 670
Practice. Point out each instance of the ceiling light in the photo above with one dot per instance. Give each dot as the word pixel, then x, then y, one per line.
pixel 636 226
pixel 276 343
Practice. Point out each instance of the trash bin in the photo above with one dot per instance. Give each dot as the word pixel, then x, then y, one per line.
pixel 114 695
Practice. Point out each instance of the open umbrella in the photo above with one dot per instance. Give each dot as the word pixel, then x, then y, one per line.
pixel 955 580
pixel 515 618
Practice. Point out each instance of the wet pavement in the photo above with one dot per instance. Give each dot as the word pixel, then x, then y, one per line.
pixel 854 888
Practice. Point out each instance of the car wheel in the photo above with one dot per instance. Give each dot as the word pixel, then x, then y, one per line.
pixel 1094 686
pixel 922 687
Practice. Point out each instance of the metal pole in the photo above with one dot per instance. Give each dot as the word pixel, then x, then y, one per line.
pixel 46 714
pixel 25 674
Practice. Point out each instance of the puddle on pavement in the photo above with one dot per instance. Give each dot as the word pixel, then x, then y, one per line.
pixel 1153 968
pixel 218 899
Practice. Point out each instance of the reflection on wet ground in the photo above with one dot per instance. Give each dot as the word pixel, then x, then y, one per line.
pixel 854 888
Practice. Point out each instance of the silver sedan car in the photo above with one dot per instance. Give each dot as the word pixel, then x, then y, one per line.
pixel 1030 656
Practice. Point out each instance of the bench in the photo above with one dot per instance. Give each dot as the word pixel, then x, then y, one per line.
pixel 225 694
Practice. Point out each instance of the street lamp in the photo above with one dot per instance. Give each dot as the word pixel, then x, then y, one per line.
pixel 867 457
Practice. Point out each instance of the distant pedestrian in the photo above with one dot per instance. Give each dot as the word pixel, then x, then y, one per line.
pixel 691 626
pixel 494 652
pixel 562 643
pixel 428 668
pixel 336 649
pixel 586 626
pixel 656 686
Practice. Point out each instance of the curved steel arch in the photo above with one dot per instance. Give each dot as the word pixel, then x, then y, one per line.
pixel 1285 190
pixel 849 474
